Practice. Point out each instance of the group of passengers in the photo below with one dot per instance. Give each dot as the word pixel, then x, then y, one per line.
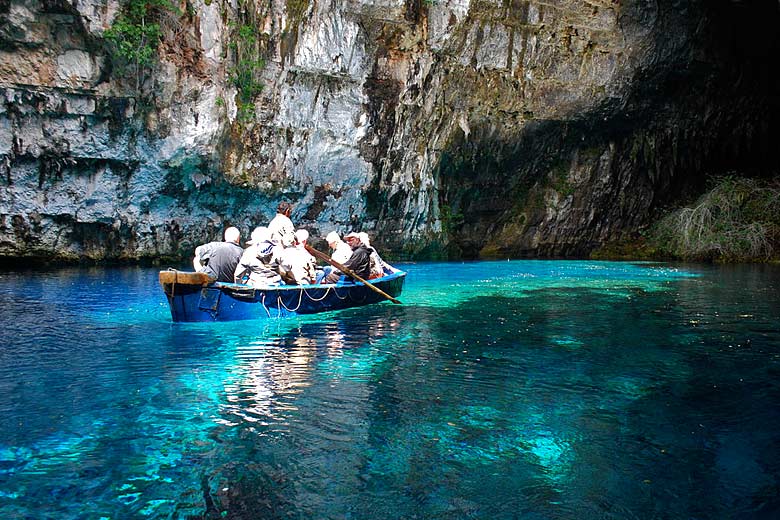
pixel 277 254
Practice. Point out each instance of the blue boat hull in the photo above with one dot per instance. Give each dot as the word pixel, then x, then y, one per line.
pixel 190 301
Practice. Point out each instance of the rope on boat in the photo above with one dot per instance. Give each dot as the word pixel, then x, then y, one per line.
pixel 262 302
pixel 309 296
pixel 300 299
pixel 339 297
pixel 175 279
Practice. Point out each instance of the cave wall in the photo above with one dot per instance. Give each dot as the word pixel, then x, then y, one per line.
pixel 457 128
pixel 614 111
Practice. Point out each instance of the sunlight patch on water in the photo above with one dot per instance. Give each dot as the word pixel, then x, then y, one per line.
pixel 522 278
pixel 548 450
pixel 566 341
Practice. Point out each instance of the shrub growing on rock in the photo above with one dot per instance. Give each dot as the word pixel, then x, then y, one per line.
pixel 737 220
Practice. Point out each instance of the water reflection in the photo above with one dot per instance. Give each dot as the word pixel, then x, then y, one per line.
pixel 272 373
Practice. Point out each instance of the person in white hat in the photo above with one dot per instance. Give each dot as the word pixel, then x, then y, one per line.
pixel 298 266
pixel 341 251
pixel 359 263
pixel 259 265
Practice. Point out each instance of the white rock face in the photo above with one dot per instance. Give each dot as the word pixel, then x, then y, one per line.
pixel 97 15
pixel 211 31
pixel 442 18
pixel 76 67
pixel 331 42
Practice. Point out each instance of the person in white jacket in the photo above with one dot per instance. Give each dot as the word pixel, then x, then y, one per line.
pixel 341 251
pixel 259 265
pixel 298 266
pixel 281 227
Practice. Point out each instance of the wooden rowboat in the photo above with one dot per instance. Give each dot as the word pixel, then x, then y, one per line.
pixel 193 297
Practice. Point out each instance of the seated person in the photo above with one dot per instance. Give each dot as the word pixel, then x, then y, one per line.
pixel 219 259
pixel 298 266
pixel 377 264
pixel 341 251
pixel 259 265
pixel 359 263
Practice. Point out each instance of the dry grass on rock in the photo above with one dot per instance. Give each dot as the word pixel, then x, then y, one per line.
pixel 737 220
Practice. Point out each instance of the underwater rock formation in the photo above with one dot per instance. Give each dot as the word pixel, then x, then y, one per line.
pixel 457 128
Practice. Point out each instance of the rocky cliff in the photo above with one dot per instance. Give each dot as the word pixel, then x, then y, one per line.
pixel 442 127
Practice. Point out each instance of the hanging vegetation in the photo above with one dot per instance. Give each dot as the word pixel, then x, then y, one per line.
pixel 135 36
pixel 248 64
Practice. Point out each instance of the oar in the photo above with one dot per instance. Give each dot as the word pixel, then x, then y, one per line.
pixel 348 272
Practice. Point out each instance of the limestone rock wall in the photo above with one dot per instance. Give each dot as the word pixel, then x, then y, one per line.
pixel 441 127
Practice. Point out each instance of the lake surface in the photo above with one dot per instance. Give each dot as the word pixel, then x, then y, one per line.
pixel 523 389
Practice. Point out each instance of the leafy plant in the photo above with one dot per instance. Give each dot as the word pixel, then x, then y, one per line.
pixel 135 35
pixel 450 220
pixel 242 76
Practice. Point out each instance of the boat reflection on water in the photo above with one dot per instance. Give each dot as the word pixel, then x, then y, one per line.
pixel 272 374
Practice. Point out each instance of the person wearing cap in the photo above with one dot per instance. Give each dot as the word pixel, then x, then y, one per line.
pixel 219 259
pixel 359 263
pixel 341 251
pixel 298 266
pixel 259 265
pixel 281 227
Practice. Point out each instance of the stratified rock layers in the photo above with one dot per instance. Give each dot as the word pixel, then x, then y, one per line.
pixel 447 128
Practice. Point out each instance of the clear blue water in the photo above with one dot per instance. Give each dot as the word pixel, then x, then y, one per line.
pixel 524 389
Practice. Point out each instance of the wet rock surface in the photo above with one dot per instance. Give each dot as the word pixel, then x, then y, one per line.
pixel 448 128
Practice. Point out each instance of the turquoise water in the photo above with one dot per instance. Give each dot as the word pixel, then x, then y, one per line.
pixel 524 389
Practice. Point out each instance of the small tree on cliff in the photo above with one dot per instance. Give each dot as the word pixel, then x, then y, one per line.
pixel 135 35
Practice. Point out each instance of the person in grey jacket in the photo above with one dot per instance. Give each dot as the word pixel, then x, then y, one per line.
pixel 359 263
pixel 219 259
